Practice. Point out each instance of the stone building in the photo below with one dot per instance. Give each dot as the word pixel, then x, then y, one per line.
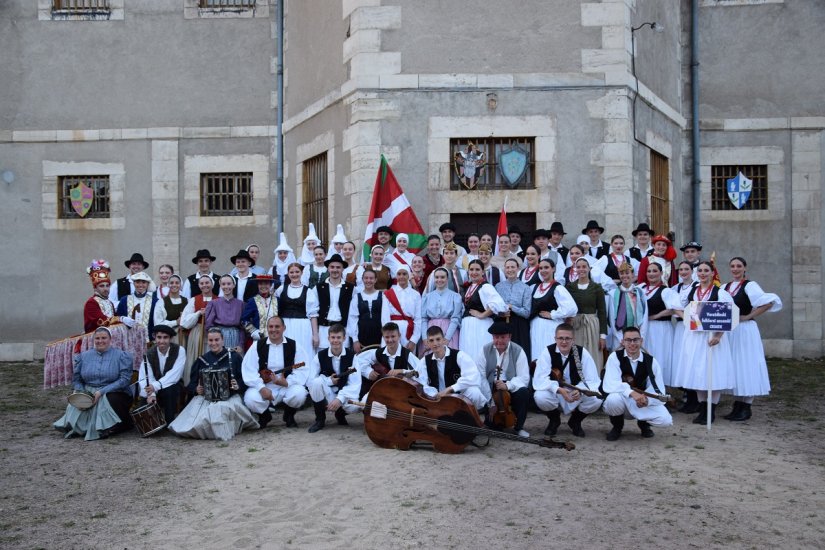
pixel 161 96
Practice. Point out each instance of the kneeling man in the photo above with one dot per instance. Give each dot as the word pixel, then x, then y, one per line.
pixel 333 380
pixel 451 371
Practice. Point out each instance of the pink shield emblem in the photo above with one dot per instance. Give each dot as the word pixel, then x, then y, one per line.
pixel 82 196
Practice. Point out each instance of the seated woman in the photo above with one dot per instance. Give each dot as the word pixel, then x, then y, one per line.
pixel 202 419
pixel 105 373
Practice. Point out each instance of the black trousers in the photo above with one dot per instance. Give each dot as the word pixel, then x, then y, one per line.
pixel 121 402
pixel 168 399
pixel 518 402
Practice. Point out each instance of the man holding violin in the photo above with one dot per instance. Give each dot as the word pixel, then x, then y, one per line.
pixel 333 381
pixel 450 371
pixel 273 374
pixel 565 374
pixel 505 366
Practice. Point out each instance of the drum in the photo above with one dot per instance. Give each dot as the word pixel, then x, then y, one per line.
pixel 81 400
pixel 215 384
pixel 148 419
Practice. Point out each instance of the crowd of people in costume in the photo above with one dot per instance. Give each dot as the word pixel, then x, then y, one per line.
pixel 565 331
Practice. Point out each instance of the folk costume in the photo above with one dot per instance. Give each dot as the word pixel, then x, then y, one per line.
pixel 647 376
pixel 515 372
pixel 637 252
pixel 444 309
pixel 456 370
pixel 403 307
pixel 192 319
pixel 163 372
pixel 364 318
pixel 382 361
pixel 669 272
pixel 258 310
pixel 518 296
pixel 296 306
pixel 590 322
pixel 479 297
pixel 553 298
pixel 225 313
pixel 659 334
pixel 626 307
pixel 323 391
pixel 98 310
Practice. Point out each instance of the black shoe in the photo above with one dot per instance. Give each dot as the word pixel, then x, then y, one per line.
pixel 691 405
pixel 289 417
pixel 702 417
pixel 320 416
pixel 264 419
pixel 742 414
pixel 341 417
pixel 645 428
pixel 555 422
pixel 575 422
pixel 737 406
pixel 616 432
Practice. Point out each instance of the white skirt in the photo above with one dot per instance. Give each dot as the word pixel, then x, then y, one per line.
pixel 750 370
pixel 202 419
pixel 474 335
pixel 300 330
pixel 691 370
pixel 542 334
pixel 658 344
pixel 676 352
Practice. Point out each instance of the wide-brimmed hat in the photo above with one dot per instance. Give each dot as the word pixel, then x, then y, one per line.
pixel 691 244
pixel 500 327
pixel 593 224
pixel 336 258
pixel 242 255
pixel 541 233
pixel 557 227
pixel 445 226
pixel 265 278
pixel 203 253
pixel 165 330
pixel 515 229
pixel 642 227
pixel 385 229
pixel 137 257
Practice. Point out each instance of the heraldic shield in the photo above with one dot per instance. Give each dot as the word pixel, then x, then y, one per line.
pixel 739 190
pixel 82 197
pixel 512 163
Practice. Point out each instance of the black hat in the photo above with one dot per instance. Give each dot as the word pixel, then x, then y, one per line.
pixel 242 255
pixel 137 257
pixel 385 229
pixel 203 253
pixel 541 233
pixel 557 227
pixel 499 327
pixel 643 227
pixel 445 226
pixel 592 224
pixel 337 259
pixel 691 244
pixel 165 330
pixel 515 229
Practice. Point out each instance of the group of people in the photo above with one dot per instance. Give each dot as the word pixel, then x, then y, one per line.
pixel 566 330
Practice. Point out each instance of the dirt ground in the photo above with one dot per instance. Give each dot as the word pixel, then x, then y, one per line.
pixel 743 485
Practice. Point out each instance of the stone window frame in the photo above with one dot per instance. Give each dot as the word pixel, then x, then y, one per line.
pixel 772 156
pixel 195 165
pixel 193 10
pixel 46 12
pixel 233 180
pixel 50 195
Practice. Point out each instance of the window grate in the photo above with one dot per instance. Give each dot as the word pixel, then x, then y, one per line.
pixel 659 193
pixel 226 194
pixel 489 175
pixel 226 4
pixel 757 173
pixel 315 194
pixel 81 6
pixel 100 200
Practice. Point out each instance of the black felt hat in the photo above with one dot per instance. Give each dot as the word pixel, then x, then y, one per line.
pixel 203 253
pixel 242 255
pixel 137 257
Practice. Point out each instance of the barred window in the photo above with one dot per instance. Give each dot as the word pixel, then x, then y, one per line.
pixel 659 192
pixel 226 4
pixel 316 195
pixel 758 198
pixel 493 163
pixel 226 194
pixel 81 7
pixel 97 203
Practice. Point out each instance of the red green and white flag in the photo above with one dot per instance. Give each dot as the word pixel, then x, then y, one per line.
pixel 390 207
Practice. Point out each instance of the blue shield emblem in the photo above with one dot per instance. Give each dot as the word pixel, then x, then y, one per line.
pixel 512 162
pixel 739 190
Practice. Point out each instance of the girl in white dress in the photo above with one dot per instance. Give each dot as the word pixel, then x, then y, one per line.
pixel 298 307
pixel 685 270
pixel 481 302
pixel 660 300
pixel 550 306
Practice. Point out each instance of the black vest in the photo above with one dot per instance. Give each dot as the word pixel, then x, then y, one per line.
pixel 562 251
pixel 644 370
pixel 742 301
pixel 292 308
pixel 289 354
pixel 452 372
pixel 611 270
pixel 124 287
pixel 714 293
pixel 369 322
pixel 545 303
pixel 602 250
pixel 474 303
pixel 556 363
pixel 402 362
pixel 154 360
pixel 636 253
pixel 344 298
pixel 495 275
pixel 195 290
pixel 326 365
pixel 249 291
pixel 655 304
pixel 533 281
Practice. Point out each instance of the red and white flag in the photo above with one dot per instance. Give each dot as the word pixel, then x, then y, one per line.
pixel 502 224
pixel 390 207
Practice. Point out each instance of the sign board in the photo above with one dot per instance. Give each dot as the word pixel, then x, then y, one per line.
pixel 712 316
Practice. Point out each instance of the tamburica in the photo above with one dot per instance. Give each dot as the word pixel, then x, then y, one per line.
pixel 148 419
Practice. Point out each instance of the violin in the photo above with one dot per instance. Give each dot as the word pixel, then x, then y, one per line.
pixel 398 413
pixel 556 374
pixel 268 375
pixel 501 414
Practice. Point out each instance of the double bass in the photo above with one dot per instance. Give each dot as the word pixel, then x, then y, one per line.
pixel 398 413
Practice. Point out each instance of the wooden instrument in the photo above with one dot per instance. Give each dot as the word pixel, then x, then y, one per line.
pixel 557 375
pixel 268 375
pixel 501 414
pixel 398 413
pixel 666 398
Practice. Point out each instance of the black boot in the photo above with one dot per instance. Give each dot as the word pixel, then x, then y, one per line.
pixel 645 428
pixel 742 414
pixel 737 406
pixel 320 416
pixel 555 422
pixel 618 424
pixel 341 417
pixel 702 417
pixel 575 422
pixel 691 405
pixel 289 416
pixel 264 419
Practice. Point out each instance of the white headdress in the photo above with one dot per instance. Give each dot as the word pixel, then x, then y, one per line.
pixel 307 253
pixel 280 267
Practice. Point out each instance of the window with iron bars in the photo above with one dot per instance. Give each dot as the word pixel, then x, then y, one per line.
pixel 488 171
pixel 81 7
pixel 226 194
pixel 659 192
pixel 100 198
pixel 226 4
pixel 316 195
pixel 757 173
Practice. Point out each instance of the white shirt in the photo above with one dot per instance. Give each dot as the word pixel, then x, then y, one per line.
pixel 275 361
pixel 353 316
pixel 541 377
pixel 353 386
pixel 410 302
pixel 168 378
